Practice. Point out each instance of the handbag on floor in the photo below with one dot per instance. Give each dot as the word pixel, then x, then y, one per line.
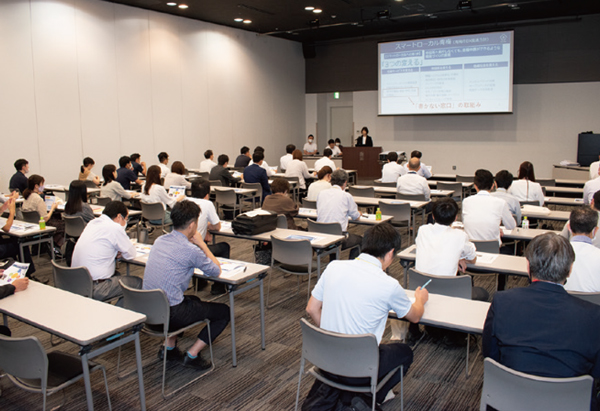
pixel 262 253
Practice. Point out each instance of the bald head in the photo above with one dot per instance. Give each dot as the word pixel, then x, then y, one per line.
pixel 414 164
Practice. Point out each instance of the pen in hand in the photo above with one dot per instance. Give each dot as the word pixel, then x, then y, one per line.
pixel 426 284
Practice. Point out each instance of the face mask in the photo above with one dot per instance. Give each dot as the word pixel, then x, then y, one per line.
pixel 310 141
pixel 41 189
pixel 337 144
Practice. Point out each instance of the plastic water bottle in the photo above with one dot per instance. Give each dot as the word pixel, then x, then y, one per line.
pixel 378 214
pixel 42 224
pixel 525 223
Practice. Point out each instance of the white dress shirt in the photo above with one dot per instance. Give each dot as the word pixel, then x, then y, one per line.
pixel 284 160
pixel 358 295
pixel 207 165
pixel 158 194
pixel 297 168
pixel 315 188
pixel 482 215
pixel 265 166
pixel 440 247
pixel 423 171
pixel 324 161
pixel 174 179
pixel 589 189
pixel 594 170
pixel 412 183
pixel 335 151
pixel 525 190
pixel 208 215
pixel 164 170
pixel 335 206
pixel 585 276
pixel 513 204
pixel 391 172
pixel 310 148
pixel 98 246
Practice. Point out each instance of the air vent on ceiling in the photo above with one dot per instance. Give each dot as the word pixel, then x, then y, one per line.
pixel 245 6
pixel 417 7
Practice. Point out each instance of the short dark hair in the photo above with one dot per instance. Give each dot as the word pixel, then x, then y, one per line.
pixel 162 156
pixel 280 185
pixel 504 179
pixel 123 161
pixel 183 213
pixel 380 239
pixel 259 148
pixel 331 141
pixel 134 157
pixel 323 172
pixel 289 149
pixel 364 129
pixel 178 168
pixel 258 156
pixel 583 220
pixel 596 198
pixel 107 173
pixel 88 161
pixel 416 153
pixel 339 178
pixel 244 150
pixel 20 163
pixel 550 257
pixel 114 208
pixel 310 135
pixel 223 158
pixel 392 156
pixel 327 152
pixel 526 171
pixel 445 210
pixel 200 188
pixel 484 180
pixel 337 140
pixel 208 154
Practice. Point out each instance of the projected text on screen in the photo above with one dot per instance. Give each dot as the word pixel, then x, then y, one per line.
pixel 458 74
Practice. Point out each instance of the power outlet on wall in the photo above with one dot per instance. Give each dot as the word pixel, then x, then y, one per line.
pixel 453 167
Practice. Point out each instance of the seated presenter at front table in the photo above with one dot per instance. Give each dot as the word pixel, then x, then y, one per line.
pixel 365 140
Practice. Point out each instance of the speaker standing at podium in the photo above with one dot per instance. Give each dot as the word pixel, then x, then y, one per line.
pixel 365 140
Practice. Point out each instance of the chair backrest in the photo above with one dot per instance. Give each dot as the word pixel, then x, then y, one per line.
pixel 361 191
pixel 455 187
pixel 103 201
pixel 90 184
pixel 282 221
pixel 153 211
pixel 24 358
pixel 400 212
pixel 215 183
pixel 465 179
pixel 225 196
pixel 492 246
pixel 74 225
pixel 291 252
pixel 535 203
pixel 411 197
pixel 380 184
pixel 341 354
pixel 456 286
pixel 326 228
pixel 152 303
pixel 309 203
pixel 205 175
pixel 254 186
pixel 31 216
pixel 507 389
pixel 546 182
pixel 76 280
pixel 591 297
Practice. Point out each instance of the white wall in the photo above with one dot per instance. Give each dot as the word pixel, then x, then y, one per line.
pixel 542 129
pixel 92 78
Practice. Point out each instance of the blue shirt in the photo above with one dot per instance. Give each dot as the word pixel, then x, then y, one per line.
pixel 137 168
pixel 125 177
pixel 171 264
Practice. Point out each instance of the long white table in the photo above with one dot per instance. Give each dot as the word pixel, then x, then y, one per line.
pixel 30 234
pixel 96 327
pixel 553 190
pixel 553 215
pixel 563 201
pixel 97 210
pixel 236 282
pixel 365 219
pixel 392 191
pixel 525 234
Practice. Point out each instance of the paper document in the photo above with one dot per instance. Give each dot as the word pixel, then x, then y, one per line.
pixel 176 191
pixel 49 200
pixel 303 237
pixel 309 211
pixel 56 186
pixel 230 266
pixel 236 174
pixel 225 225
pixel 486 258
pixel 435 191
pixel 14 272
pixel 142 250
pixel 20 227
pixel 256 212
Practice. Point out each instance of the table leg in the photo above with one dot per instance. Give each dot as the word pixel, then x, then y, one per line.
pixel 5 319
pixel 232 321
pixel 86 380
pixel 140 371
pixel 21 252
pixel 262 313
pixel 52 248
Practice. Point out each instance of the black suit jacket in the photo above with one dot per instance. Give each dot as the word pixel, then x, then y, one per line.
pixel 544 331
pixel 360 144
pixel 221 173
pixel 257 174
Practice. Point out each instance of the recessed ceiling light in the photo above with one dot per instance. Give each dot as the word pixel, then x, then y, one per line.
pixel 317 11
pixel 247 21
pixel 239 20
pixel 309 8
pixel 183 6
pixel 171 4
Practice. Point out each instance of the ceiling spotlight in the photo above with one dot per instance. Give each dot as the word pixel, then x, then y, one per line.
pixel 171 4
pixel 317 11
pixel 247 21
pixel 431 16
pixel 239 19
pixel 183 6
pixel 514 6
pixel 309 8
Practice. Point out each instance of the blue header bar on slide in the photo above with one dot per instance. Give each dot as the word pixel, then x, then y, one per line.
pixel 444 42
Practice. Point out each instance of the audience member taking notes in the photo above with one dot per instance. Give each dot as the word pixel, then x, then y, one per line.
pixel 585 274
pixel 208 163
pixel 526 189
pixel 138 166
pixel 111 187
pixel 256 174
pixel 264 165
pixel 391 170
pixel 177 176
pixel 243 159
pixel 34 202
pixel 590 188
pixel 220 172
pixel 18 182
pixel 285 159
pixel 423 170
pixel 77 205
pixel 566 232
pixel 594 169
pixel 503 180
pixel 154 192
pixel 85 171
pixel 10 247
pixel 325 160
pixel 324 176
pixel 126 175
pixel 280 202
pixel 163 160
pixel 298 168
pixel 412 183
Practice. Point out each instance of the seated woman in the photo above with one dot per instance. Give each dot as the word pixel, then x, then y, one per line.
pixel 85 173
pixel 298 168
pixel 526 189
pixel 177 177
pixel 280 202
pixel 111 187
pixel 324 176
pixel 34 202
pixel 77 204
pixel 154 192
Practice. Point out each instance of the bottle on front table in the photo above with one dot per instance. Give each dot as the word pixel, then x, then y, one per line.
pixel 42 224
pixel 378 214
pixel 525 223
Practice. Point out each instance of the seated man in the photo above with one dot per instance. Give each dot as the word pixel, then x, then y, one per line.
pixel 137 165
pixel 590 188
pixel 355 297
pixel 585 275
pixel 170 267
pixel 391 171
pixel 280 202
pixel 541 329
pixel 126 175
pixel 264 164
pixel 208 163
pixel 504 180
pixel 335 150
pixel 325 161
pixel 285 159
pixel 220 172
pixel 19 180
pixel 423 171
pixel 310 148
pixel 243 159
pixel 256 174
pixel 335 205
pixel 482 214
pixel 163 160
pixel 566 233
pixel 442 250
pixel 103 240
pixel 412 183
pixel 9 289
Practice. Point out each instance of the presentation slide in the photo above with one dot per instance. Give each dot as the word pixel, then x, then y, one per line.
pixel 447 75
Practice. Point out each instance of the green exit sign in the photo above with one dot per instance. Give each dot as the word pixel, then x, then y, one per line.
pixel 336 95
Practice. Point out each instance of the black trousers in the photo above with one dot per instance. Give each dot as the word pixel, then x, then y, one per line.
pixel 192 310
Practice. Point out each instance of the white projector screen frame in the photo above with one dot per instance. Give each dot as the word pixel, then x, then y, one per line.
pixel 466 74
